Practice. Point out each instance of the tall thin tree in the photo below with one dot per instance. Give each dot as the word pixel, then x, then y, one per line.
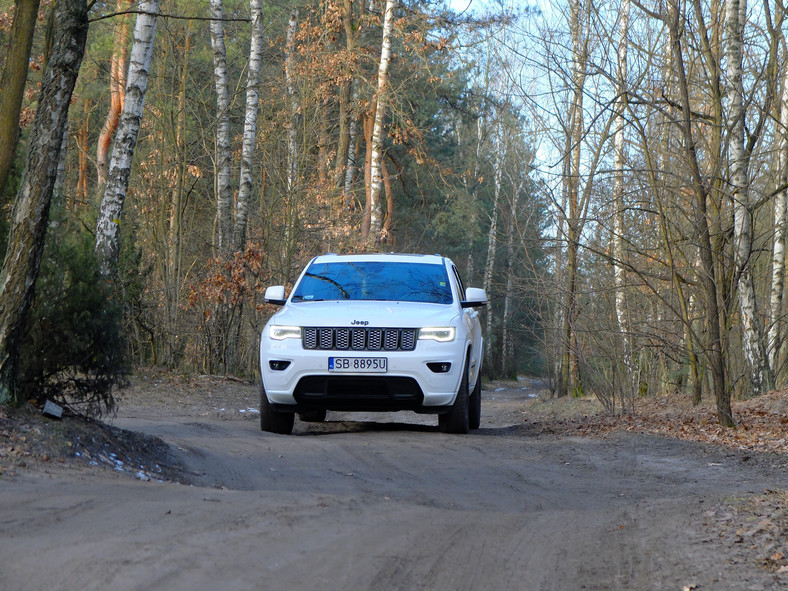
pixel 13 82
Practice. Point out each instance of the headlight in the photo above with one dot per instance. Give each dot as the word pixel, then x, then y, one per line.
pixel 441 334
pixel 280 333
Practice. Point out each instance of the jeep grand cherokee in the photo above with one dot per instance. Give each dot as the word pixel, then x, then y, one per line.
pixel 373 332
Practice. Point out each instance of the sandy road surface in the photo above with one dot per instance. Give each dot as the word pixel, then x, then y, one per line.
pixel 383 502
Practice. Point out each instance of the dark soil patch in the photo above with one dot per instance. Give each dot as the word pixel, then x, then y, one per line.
pixel 28 439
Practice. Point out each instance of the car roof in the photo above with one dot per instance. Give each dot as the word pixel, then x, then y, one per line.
pixel 393 257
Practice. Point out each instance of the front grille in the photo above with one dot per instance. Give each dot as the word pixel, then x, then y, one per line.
pixel 360 339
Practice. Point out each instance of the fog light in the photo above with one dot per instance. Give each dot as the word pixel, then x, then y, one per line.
pixel 278 365
pixel 442 367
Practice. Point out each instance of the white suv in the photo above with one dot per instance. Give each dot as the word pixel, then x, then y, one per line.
pixel 373 332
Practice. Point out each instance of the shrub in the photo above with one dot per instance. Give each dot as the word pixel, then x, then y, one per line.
pixel 73 351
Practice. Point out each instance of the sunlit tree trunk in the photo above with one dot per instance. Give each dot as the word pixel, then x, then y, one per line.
pixel 223 156
pixel 752 331
pixel 500 146
pixel 250 125
pixel 30 215
pixel 376 178
pixel 13 82
pixel 775 337
pixel 117 84
pixel 108 224
pixel 292 131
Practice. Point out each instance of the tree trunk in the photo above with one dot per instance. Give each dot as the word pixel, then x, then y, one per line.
pixel 13 82
pixel 569 370
pixel 223 155
pixel 619 157
pixel 752 332
pixel 389 192
pixel 345 104
pixel 714 347
pixel 108 224
pixel 780 229
pixel 507 343
pixel 82 158
pixel 292 133
pixel 492 246
pixel 117 84
pixel 31 208
pixel 376 180
pixel 250 125
pixel 352 147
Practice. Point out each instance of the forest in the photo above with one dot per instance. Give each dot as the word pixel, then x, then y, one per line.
pixel 614 174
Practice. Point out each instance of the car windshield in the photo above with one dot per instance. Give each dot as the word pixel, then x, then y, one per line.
pixel 374 280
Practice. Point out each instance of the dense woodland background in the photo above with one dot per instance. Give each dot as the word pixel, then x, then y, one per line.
pixel 613 173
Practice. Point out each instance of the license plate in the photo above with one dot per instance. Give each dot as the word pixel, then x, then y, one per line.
pixel 358 364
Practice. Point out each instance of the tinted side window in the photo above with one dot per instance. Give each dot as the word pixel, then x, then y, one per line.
pixel 375 280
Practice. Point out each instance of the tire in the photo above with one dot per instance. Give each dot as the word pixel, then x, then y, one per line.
pixel 273 421
pixel 313 416
pixel 475 405
pixel 457 419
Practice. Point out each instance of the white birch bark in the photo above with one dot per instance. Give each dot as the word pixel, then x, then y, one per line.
pixel 108 224
pixel 492 239
pixel 295 107
pixel 752 334
pixel 250 125
pixel 376 178
pixel 350 169
pixel 507 352
pixel 292 136
pixel 780 225
pixel 223 156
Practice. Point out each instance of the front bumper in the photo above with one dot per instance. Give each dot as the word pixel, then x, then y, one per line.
pixel 409 383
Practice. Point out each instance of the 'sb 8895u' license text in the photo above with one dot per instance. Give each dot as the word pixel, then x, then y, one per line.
pixel 358 364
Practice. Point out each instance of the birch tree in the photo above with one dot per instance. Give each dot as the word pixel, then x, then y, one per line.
pixel 776 330
pixel 752 333
pixel 250 125
pixel 108 224
pixel 292 132
pixel 223 155
pixel 500 145
pixel 376 178
pixel 30 215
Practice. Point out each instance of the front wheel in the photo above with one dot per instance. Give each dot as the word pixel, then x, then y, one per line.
pixel 457 419
pixel 273 421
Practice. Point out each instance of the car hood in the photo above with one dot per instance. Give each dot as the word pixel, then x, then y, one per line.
pixel 365 313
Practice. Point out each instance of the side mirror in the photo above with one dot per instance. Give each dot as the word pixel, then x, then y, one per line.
pixel 275 295
pixel 474 297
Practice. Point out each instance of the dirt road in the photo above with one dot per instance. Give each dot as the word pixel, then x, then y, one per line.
pixel 383 502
